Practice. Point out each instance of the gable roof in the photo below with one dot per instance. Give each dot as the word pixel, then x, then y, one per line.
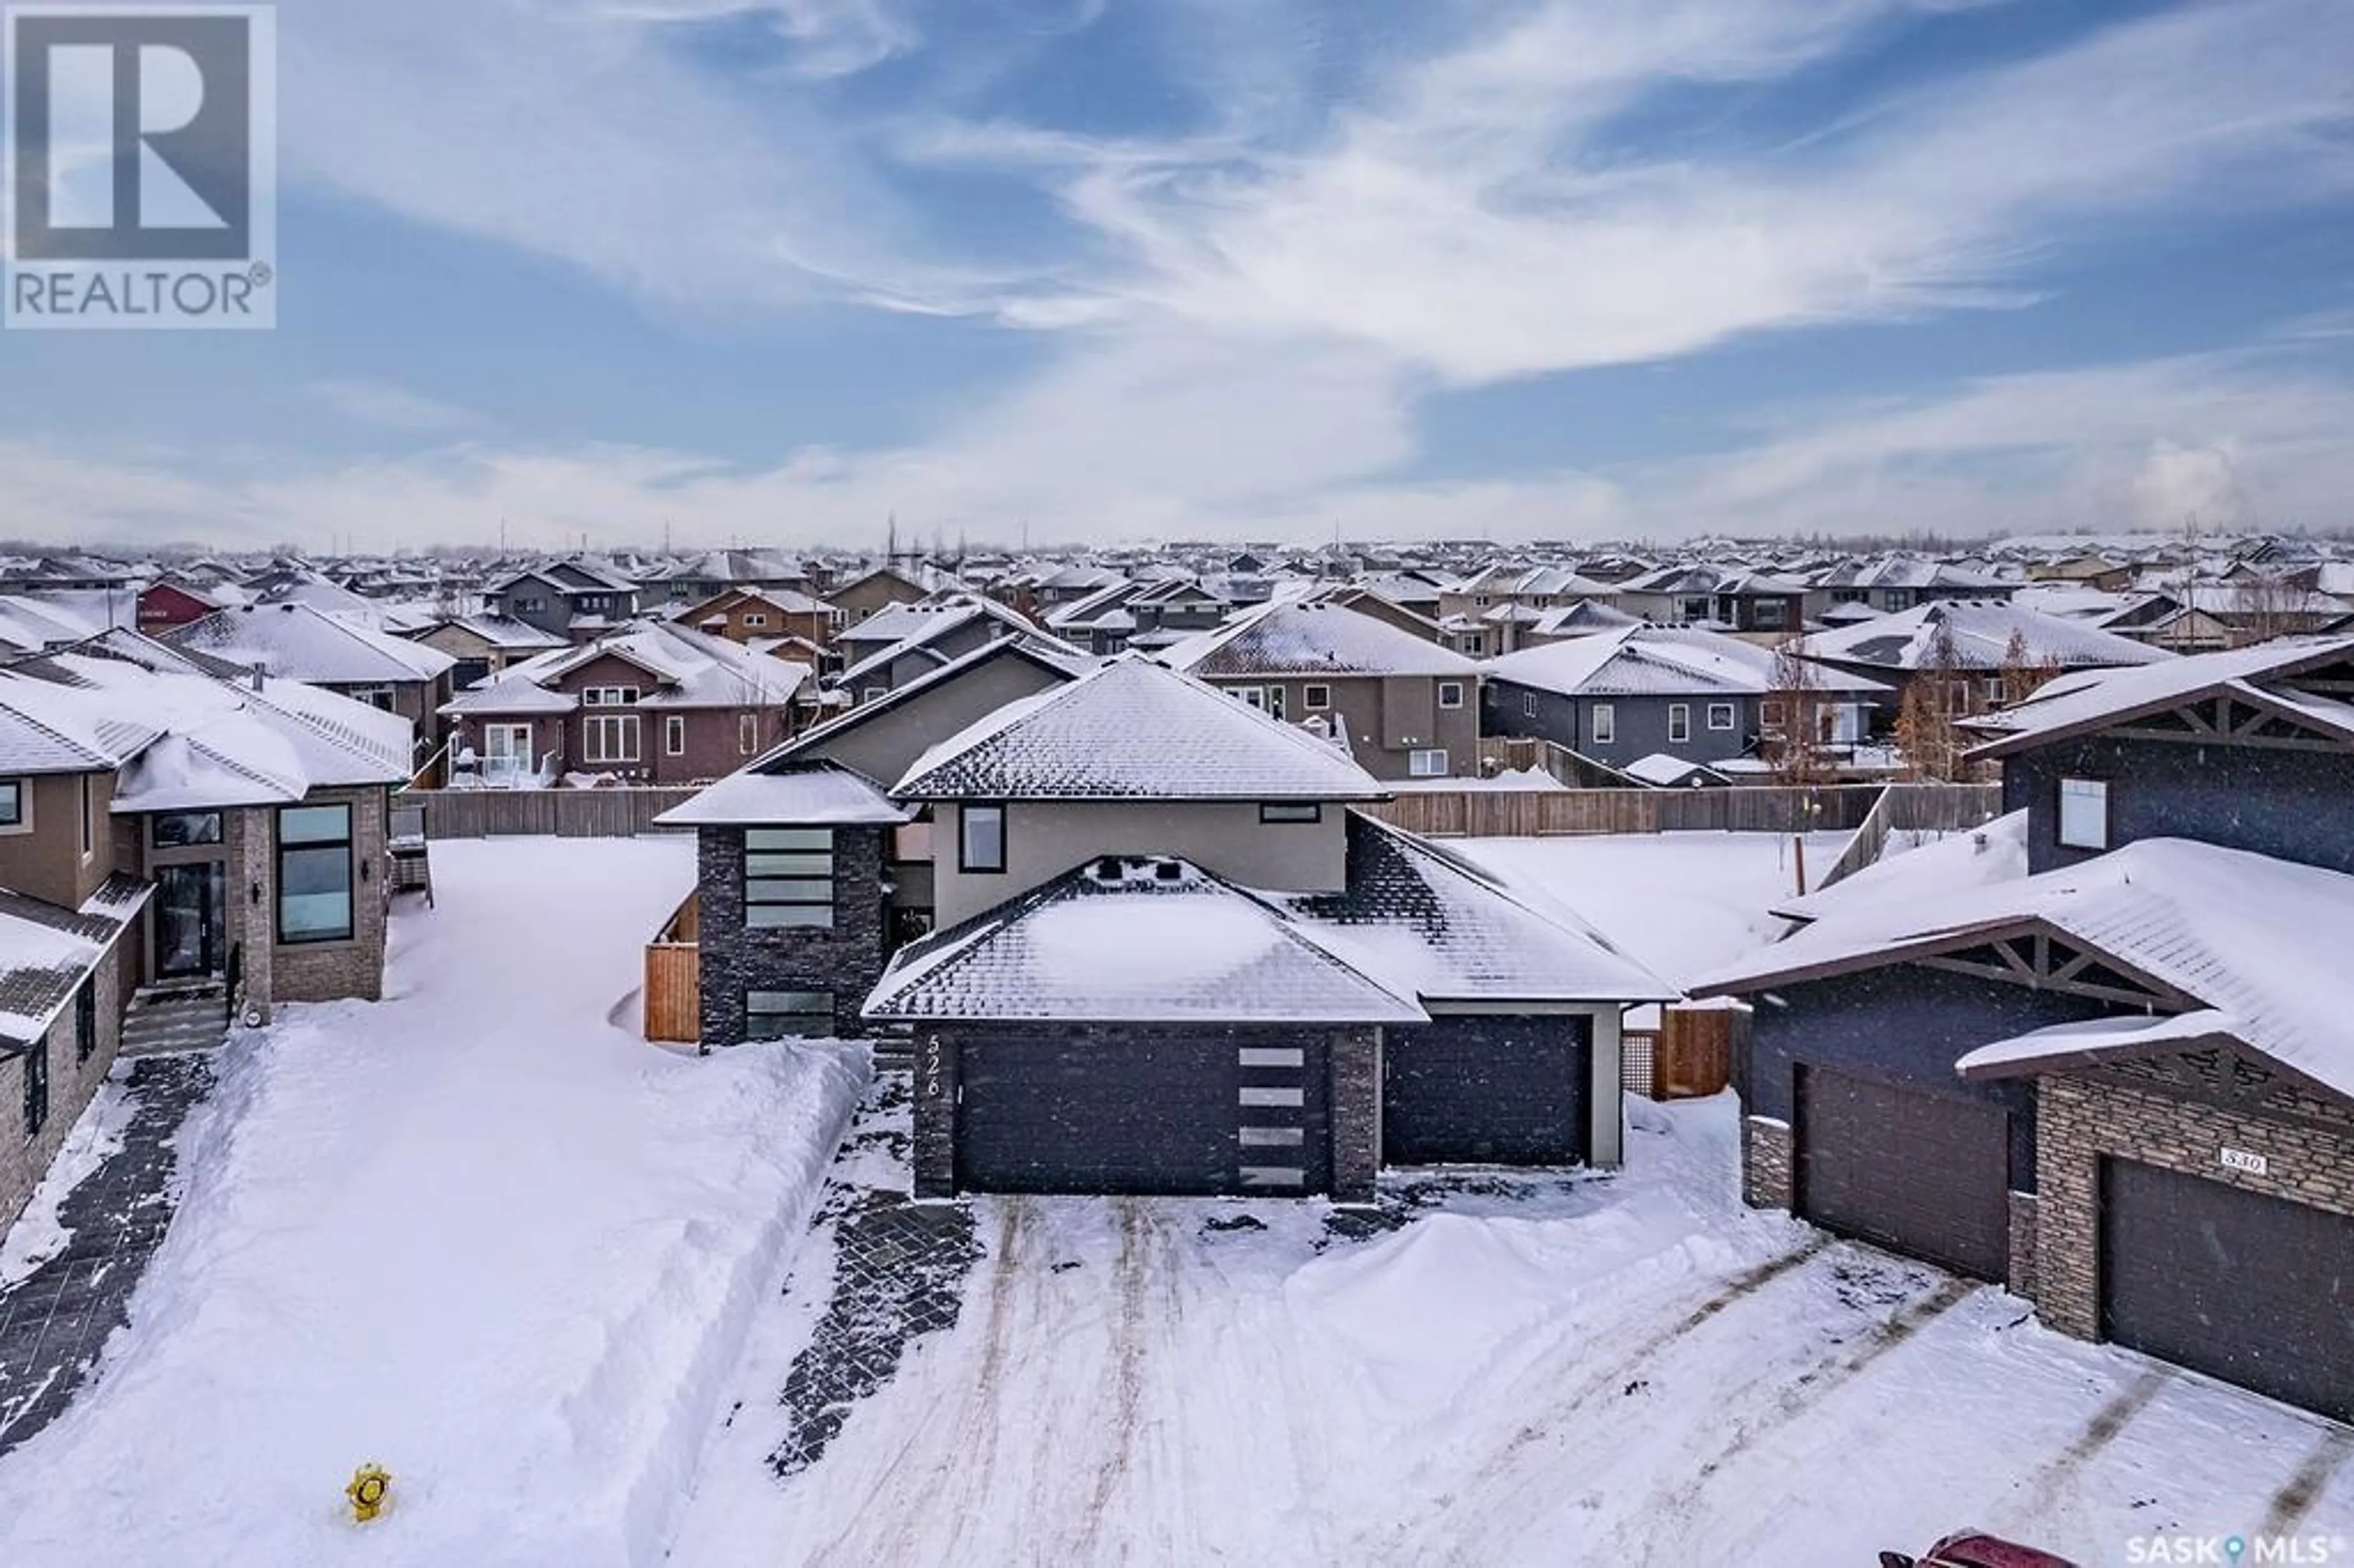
pixel 1982 632
pixel 1040 651
pixel 44 729
pixel 1132 729
pixel 2259 941
pixel 1157 940
pixel 813 794
pixel 1656 660
pixel 302 643
pixel 1314 638
pixel 690 668
pixel 2079 705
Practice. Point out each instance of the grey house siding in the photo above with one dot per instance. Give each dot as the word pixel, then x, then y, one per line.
pixel 1640 725
pixel 1388 718
pixel 735 958
pixel 1902 1024
pixel 2258 799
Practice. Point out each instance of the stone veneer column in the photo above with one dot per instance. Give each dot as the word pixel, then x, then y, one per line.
pixel 936 1097
pixel 2022 1244
pixel 252 923
pixel 1356 1114
pixel 1765 1163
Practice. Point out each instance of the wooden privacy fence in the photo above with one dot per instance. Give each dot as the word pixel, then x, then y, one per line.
pixel 1546 813
pixel 675 978
pixel 558 814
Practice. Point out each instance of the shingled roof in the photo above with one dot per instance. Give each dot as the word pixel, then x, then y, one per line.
pixel 48 953
pixel 1134 729
pixel 1312 640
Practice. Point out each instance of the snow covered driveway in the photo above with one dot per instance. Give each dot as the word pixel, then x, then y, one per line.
pixel 1540 1370
pixel 474 1233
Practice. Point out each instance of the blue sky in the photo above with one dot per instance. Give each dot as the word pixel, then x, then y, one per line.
pixel 772 271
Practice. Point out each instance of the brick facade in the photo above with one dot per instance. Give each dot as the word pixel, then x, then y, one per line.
pixel 322 971
pixel 846 960
pixel 73 1079
pixel 1355 1063
pixel 1765 1163
pixel 2179 1113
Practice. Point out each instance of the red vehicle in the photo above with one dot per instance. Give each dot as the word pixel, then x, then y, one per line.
pixel 1969 1549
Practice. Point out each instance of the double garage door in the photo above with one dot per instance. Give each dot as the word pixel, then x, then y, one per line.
pixel 1137 1111
pixel 2253 1290
pixel 1920 1173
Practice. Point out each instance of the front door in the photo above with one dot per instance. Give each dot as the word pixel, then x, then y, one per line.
pixel 190 919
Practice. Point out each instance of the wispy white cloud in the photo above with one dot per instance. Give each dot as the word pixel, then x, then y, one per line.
pixel 389 406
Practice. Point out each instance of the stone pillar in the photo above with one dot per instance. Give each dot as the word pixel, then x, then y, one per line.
pixel 1766 1163
pixel 2022 1244
pixel 252 920
pixel 1356 1113
pixel 935 1098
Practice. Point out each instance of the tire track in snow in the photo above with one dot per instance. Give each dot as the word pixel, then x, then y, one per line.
pixel 1125 1383
pixel 2046 1487
pixel 1523 1463
pixel 948 1461
pixel 1682 1501
pixel 2296 1497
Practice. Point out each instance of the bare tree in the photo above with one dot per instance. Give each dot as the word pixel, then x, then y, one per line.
pixel 2023 672
pixel 1796 716
pixel 1937 694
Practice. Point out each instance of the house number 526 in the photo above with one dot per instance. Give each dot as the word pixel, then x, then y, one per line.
pixel 935 1072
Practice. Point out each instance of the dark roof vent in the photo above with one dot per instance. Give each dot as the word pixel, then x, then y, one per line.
pixel 1107 869
pixel 1169 871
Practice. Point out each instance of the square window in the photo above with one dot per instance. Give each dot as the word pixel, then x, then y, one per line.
pixel 980 841
pixel 1720 715
pixel 787 878
pixel 1450 694
pixel 2083 813
pixel 1316 699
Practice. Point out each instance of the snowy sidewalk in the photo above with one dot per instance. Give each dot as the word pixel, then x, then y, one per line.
pixel 473 1232
pixel 94 1239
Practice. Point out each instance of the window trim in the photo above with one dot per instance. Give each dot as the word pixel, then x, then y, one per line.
pixel 1680 730
pixel 1309 701
pixel 36 1106
pixel 807 841
pixel 1732 716
pixel 156 825
pixel 85 1016
pixel 350 928
pixel 755 619
pixel 747 733
pixel 1602 721
pixel 1417 757
pixel 89 817
pixel 1446 686
pixel 673 734
pixel 1300 813
pixel 597 753
pixel 22 822
pixel 2062 793
pixel 966 864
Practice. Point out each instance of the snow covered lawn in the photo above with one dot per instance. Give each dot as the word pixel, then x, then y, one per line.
pixel 474 1233
pixel 1680 904
pixel 1539 1370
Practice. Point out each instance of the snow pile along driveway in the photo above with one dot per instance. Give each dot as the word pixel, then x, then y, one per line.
pixel 474 1233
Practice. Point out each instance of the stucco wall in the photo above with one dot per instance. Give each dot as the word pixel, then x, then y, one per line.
pixel 1045 838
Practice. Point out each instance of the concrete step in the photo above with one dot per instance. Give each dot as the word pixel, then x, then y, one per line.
pixel 173 1020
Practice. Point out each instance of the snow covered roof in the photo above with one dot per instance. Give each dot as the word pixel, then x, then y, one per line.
pixel 1968 858
pixel 48 953
pixel 502 631
pixel 302 643
pixel 816 795
pixel 1428 921
pixel 2096 1040
pixel 2262 940
pixel 1134 728
pixel 1662 770
pixel 33 626
pixel 1152 941
pixel 1983 631
pixel 2074 704
pixel 1284 637
pixel 1587 615
pixel 44 729
pixel 1655 661
pixel 1043 652
pixel 689 669
pixel 511 691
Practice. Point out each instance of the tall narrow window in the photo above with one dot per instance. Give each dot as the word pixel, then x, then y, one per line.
pixel 981 841
pixel 747 733
pixel 86 1021
pixel 1678 723
pixel 36 1088
pixel 1606 723
pixel 2083 813
pixel 315 873
pixel 674 734
pixel 788 878
pixel 88 817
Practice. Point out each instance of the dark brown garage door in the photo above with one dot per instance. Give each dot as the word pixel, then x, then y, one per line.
pixel 1143 1111
pixel 2253 1290
pixel 1920 1173
pixel 1488 1091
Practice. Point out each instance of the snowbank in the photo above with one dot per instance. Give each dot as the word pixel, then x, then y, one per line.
pixel 473 1232
pixel 38 1235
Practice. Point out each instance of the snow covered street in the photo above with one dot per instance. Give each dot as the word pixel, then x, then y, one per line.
pixel 473 1232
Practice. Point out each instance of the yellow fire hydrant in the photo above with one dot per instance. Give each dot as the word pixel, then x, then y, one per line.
pixel 370 1491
